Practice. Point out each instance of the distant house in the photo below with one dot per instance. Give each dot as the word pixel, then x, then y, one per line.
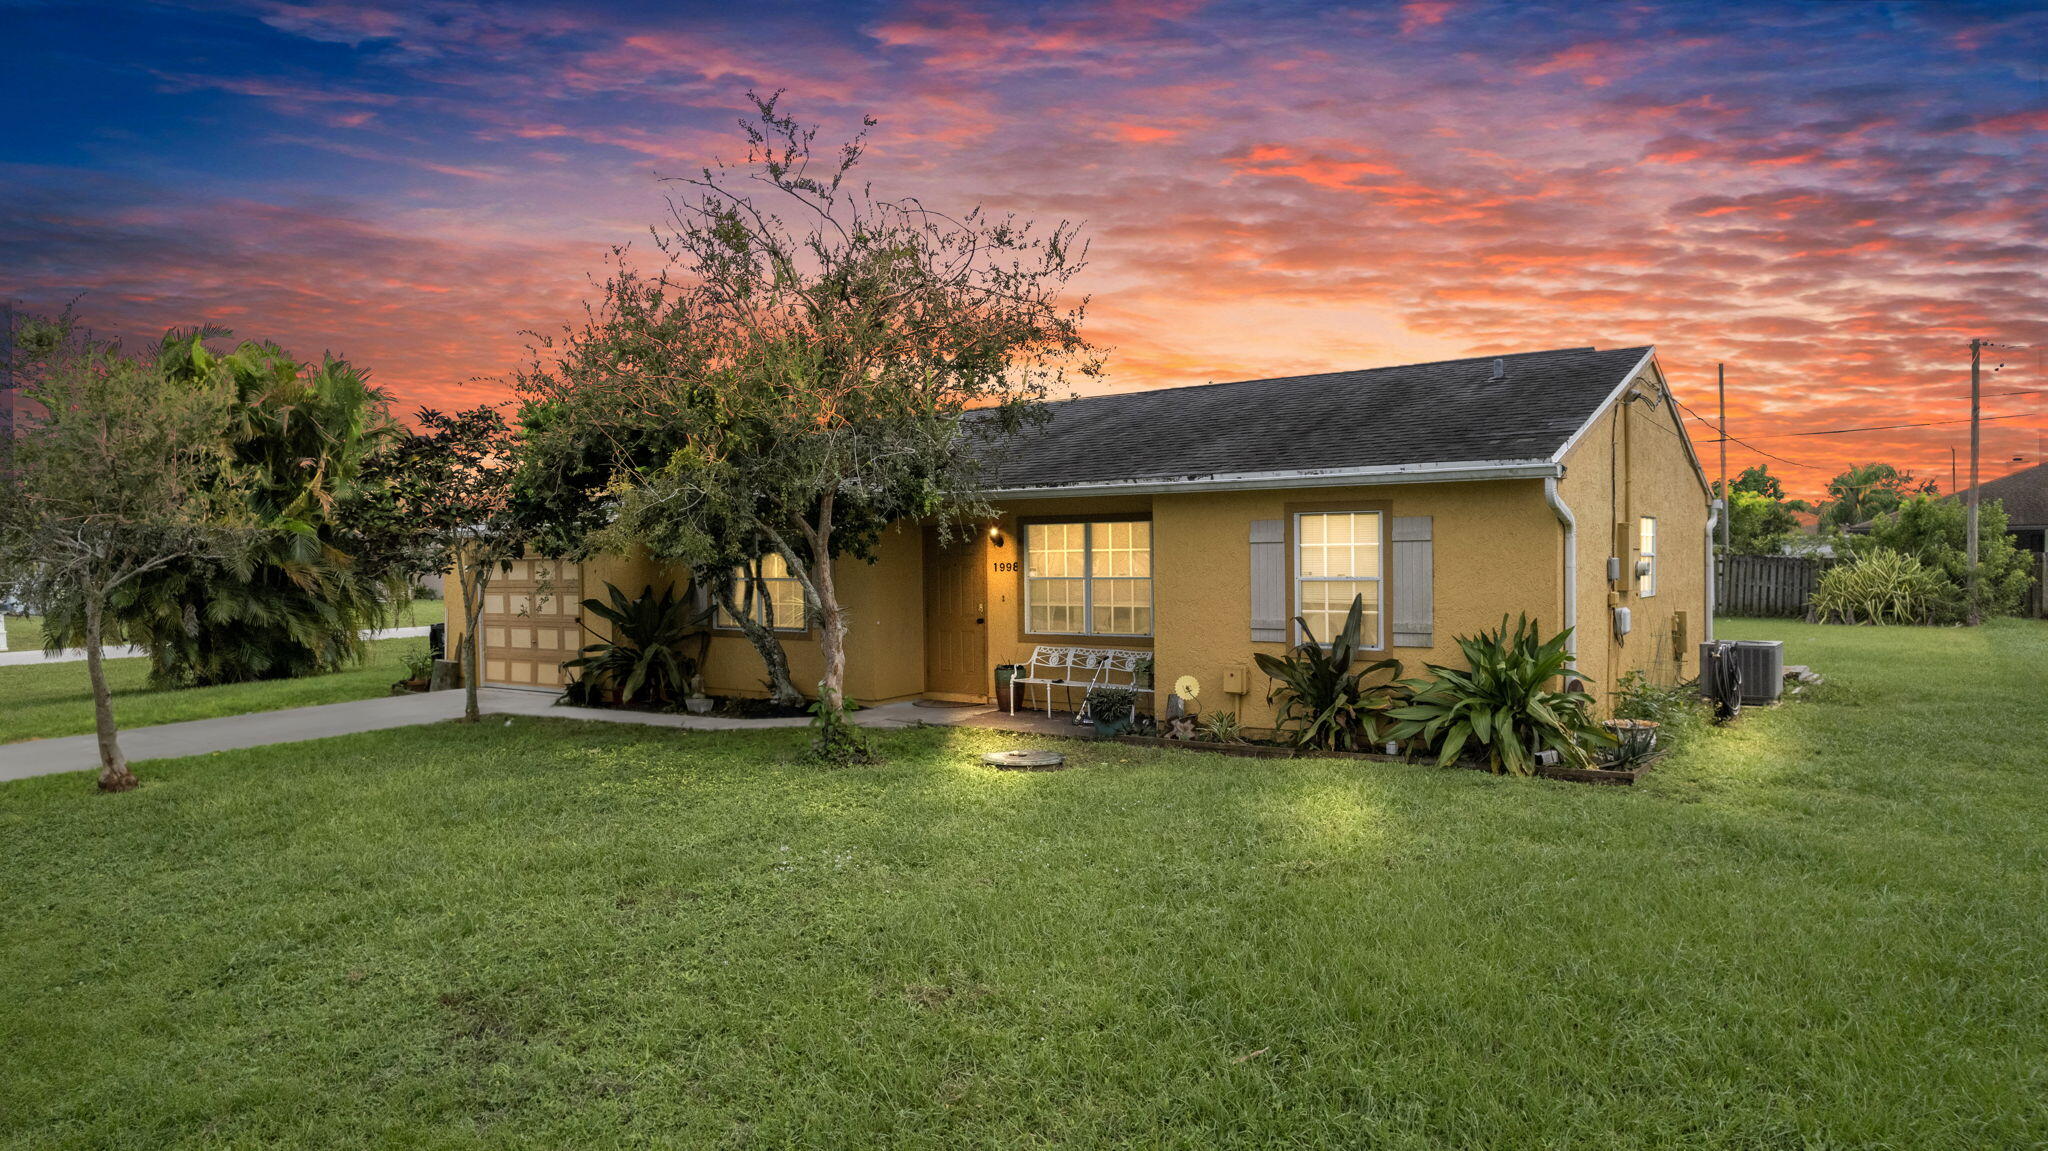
pixel 1193 525
pixel 2024 494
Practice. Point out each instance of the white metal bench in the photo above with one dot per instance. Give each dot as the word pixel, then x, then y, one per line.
pixel 1081 667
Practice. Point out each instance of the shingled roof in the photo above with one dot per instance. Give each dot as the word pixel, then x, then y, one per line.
pixel 2024 494
pixel 1428 416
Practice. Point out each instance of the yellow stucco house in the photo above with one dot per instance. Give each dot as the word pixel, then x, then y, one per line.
pixel 1193 524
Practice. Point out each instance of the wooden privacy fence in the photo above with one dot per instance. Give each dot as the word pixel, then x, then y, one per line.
pixel 1765 585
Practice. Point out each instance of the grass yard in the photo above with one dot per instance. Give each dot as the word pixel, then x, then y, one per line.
pixel 1822 928
pixel 49 700
pixel 25 632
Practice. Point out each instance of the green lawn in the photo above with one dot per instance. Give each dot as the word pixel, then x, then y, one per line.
pixel 1822 928
pixel 56 699
pixel 25 633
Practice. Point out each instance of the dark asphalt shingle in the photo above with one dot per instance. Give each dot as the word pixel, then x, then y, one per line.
pixel 1451 411
pixel 2024 494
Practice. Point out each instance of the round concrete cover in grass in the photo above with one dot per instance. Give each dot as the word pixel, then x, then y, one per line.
pixel 1025 760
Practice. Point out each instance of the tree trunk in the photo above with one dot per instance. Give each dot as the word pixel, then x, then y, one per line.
pixel 781 691
pixel 473 640
pixel 831 631
pixel 114 773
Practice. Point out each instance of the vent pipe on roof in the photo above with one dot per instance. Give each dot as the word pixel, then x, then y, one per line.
pixel 1500 369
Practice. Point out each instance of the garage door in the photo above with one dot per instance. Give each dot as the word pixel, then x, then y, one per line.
pixel 532 621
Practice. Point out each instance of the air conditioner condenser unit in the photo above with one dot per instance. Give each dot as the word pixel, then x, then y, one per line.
pixel 1763 669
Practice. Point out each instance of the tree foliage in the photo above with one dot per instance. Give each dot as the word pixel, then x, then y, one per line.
pixel 119 472
pixel 316 570
pixel 810 374
pixel 1869 490
pixel 452 482
pixel 1758 479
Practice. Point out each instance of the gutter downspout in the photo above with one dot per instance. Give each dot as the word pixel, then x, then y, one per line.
pixel 1571 563
pixel 1714 514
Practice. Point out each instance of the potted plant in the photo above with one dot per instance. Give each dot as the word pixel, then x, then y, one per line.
pixel 419 670
pixel 1635 738
pixel 1005 672
pixel 1112 709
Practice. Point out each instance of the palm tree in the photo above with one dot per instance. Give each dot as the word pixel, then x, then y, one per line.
pixel 301 452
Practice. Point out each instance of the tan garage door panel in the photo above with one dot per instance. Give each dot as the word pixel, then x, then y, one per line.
pixel 532 622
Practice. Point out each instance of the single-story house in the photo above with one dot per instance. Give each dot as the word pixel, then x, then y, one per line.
pixel 1194 524
pixel 2024 494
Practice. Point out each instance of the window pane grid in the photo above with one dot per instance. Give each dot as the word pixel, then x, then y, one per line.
pixel 778 590
pixel 1337 559
pixel 1092 578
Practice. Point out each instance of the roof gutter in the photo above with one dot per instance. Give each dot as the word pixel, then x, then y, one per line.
pixel 1547 470
pixel 1715 510
pixel 1564 515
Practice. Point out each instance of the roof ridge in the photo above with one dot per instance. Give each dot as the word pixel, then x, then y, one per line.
pixel 1351 371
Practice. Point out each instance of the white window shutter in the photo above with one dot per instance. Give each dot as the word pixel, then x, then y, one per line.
pixel 1269 581
pixel 1414 591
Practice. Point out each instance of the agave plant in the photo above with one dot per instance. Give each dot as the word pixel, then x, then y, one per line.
pixel 1323 698
pixel 1506 701
pixel 642 662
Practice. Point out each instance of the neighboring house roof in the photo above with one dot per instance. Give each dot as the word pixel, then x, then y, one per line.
pixel 1439 418
pixel 2024 494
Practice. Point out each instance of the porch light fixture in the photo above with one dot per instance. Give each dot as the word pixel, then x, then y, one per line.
pixel 995 535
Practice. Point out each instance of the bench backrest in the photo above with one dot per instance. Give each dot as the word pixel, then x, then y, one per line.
pixel 1103 666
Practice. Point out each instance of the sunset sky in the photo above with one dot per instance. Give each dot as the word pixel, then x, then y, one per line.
pixel 1831 197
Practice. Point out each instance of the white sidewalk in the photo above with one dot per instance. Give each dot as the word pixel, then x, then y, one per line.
pixel 126 651
pixel 291 725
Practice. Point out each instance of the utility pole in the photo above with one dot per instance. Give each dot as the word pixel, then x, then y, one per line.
pixel 1976 428
pixel 1727 499
pixel 1952 484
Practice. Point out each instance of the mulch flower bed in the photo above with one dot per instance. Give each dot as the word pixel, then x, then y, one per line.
pixel 1286 751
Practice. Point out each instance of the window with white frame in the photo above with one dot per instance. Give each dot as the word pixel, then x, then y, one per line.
pixel 778 592
pixel 1338 557
pixel 1088 578
pixel 1646 543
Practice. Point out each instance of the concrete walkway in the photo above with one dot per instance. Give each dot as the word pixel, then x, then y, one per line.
pixel 292 725
pixel 128 651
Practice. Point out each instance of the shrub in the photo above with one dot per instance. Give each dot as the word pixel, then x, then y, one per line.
pixel 643 661
pixel 1935 531
pixel 1503 702
pixel 835 739
pixel 1324 699
pixel 1676 709
pixel 1880 587
pixel 1221 727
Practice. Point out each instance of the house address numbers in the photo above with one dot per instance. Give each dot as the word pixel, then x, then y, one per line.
pixel 1009 565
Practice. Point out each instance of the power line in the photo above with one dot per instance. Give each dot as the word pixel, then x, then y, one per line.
pixel 1890 427
pixel 1753 447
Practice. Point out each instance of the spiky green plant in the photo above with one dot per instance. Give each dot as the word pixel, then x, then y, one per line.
pixel 1507 701
pixel 1879 587
pixel 1324 700
pixel 643 661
